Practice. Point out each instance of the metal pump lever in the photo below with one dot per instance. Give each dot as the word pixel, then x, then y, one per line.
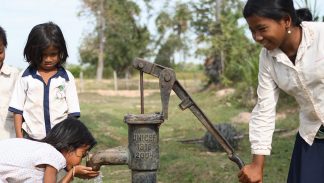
pixel 168 81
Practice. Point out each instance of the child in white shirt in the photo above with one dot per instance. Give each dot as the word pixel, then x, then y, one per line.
pixel 24 160
pixel 8 76
pixel 45 93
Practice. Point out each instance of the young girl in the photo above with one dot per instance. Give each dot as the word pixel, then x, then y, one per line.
pixel 292 59
pixel 45 93
pixel 24 160
pixel 8 76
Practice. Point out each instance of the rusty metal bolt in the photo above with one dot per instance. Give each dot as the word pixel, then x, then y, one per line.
pixel 167 77
pixel 141 65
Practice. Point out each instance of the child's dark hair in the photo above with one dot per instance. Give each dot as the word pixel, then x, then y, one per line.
pixel 273 9
pixel 69 135
pixel 40 38
pixel 3 37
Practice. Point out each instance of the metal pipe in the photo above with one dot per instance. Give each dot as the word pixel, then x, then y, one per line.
pixel 142 155
pixel 113 156
pixel 143 146
pixel 142 92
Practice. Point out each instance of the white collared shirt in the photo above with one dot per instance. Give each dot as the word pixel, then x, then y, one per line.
pixel 41 105
pixel 8 76
pixel 20 158
pixel 304 81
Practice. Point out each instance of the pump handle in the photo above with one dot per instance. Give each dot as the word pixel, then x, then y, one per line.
pixel 168 81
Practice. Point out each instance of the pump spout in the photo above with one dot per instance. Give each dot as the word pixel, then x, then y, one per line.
pixel 113 156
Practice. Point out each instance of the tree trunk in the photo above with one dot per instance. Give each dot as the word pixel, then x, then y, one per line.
pixel 81 81
pixel 126 79
pixel 218 10
pixel 115 81
pixel 100 64
pixel 101 22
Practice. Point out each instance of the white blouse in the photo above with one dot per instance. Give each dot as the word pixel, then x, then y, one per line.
pixel 19 158
pixel 304 81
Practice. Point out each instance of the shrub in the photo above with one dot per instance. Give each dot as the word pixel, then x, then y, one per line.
pixel 228 132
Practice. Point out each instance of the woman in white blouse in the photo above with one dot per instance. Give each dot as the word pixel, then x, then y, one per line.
pixel 292 59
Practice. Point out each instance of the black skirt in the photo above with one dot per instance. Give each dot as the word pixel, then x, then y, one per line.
pixel 307 162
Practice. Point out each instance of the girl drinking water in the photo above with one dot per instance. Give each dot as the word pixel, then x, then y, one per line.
pixel 24 160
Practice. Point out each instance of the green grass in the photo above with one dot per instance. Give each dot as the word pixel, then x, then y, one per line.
pixel 182 163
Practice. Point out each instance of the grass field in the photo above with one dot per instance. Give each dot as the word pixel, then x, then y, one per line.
pixel 181 163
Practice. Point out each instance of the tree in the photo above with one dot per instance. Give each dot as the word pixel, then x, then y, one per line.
pixel 227 47
pixel 172 30
pixel 120 35
pixel 165 54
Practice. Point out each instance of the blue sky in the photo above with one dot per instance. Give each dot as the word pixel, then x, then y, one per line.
pixel 18 17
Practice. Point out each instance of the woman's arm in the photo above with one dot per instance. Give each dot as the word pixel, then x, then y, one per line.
pixel 253 173
pixel 50 174
pixel 262 122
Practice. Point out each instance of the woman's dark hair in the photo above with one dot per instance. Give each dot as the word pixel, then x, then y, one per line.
pixel 69 135
pixel 3 37
pixel 304 14
pixel 273 9
pixel 40 38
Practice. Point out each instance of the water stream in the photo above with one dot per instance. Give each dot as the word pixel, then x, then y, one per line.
pixel 97 179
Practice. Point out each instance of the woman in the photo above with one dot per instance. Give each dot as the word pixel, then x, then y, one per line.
pixel 292 59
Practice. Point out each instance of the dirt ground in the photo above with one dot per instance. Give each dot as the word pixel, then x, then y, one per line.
pixel 123 93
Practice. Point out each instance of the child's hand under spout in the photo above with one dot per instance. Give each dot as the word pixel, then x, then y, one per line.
pixel 85 172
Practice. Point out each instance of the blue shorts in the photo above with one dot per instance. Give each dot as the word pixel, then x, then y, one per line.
pixel 307 162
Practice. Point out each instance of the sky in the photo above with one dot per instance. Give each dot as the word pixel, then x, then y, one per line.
pixel 18 17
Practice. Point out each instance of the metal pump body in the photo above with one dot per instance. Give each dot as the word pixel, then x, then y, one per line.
pixel 142 154
pixel 169 82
